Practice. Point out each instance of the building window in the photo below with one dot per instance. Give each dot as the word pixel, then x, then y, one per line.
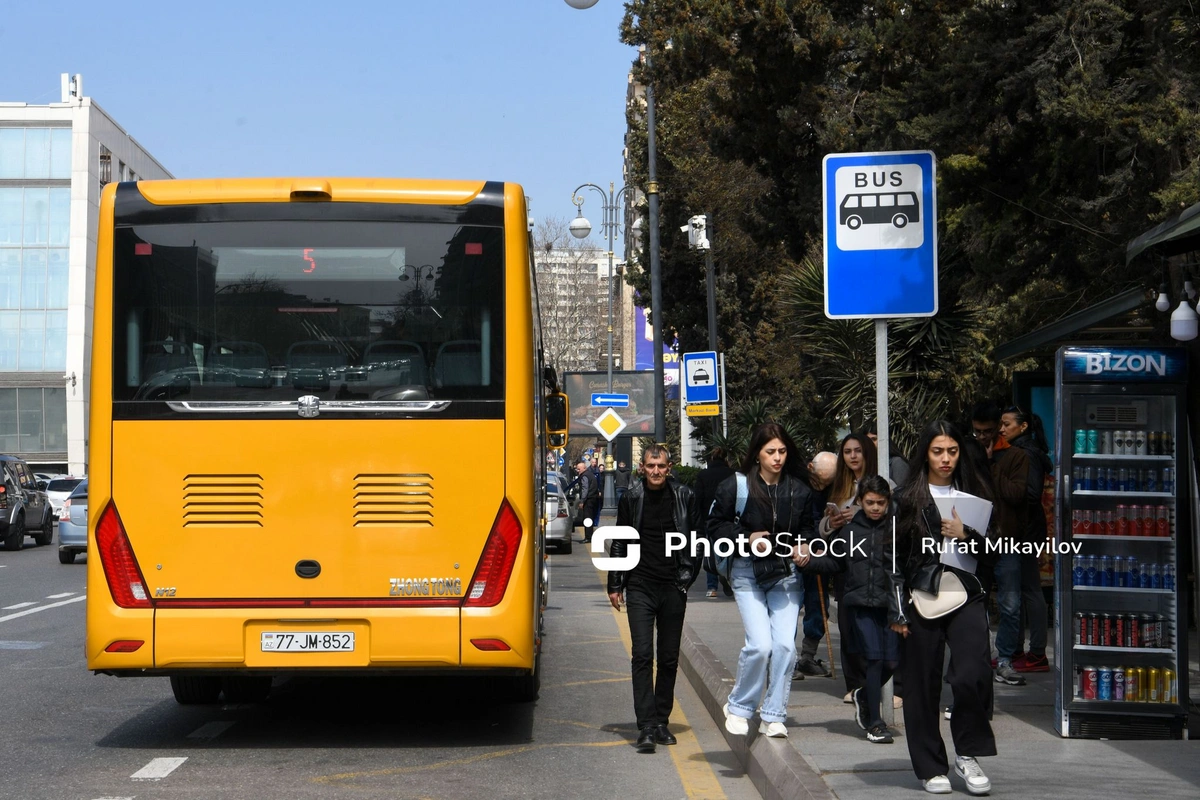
pixel 105 166
pixel 33 420
pixel 34 234
pixel 35 153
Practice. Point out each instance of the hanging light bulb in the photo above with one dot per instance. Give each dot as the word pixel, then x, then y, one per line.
pixel 1189 290
pixel 1184 322
pixel 1163 302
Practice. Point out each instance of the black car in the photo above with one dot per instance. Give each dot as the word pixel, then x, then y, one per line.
pixel 24 510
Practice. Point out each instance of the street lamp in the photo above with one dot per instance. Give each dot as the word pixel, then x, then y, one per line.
pixel 580 228
pixel 660 411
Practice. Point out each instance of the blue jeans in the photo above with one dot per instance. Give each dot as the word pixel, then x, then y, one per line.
pixel 1008 601
pixel 765 664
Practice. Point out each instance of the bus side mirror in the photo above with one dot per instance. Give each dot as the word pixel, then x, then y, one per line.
pixel 556 420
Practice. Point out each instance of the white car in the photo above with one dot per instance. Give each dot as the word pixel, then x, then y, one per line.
pixel 559 519
pixel 58 490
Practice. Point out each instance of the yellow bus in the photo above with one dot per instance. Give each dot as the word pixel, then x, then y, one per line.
pixel 317 434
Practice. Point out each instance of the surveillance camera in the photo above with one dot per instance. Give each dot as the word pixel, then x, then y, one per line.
pixel 685 228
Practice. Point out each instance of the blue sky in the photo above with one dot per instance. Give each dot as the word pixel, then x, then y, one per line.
pixel 530 91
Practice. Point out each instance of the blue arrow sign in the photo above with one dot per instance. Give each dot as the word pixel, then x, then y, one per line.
pixel 611 400
pixel 880 235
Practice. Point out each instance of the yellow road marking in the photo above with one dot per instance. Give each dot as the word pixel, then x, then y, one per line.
pixel 695 773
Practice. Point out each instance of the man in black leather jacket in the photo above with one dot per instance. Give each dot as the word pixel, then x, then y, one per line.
pixel 655 589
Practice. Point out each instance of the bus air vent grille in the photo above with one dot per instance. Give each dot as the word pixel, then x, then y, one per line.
pixel 393 499
pixel 223 501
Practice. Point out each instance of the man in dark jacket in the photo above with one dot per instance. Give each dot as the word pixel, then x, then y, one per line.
pixel 655 589
pixel 1010 473
pixel 707 481
pixel 587 509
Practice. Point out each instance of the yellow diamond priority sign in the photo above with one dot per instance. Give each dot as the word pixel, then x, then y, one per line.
pixel 609 424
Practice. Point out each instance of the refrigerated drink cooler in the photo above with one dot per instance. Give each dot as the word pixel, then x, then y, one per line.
pixel 1121 489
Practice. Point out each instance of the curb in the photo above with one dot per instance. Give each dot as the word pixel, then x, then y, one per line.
pixel 775 768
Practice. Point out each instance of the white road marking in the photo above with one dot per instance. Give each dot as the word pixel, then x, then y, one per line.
pixel 19 605
pixel 11 645
pixel 114 798
pixel 29 611
pixel 210 730
pixel 57 596
pixel 158 768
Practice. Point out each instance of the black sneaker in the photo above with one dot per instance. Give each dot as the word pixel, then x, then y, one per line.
pixel 813 666
pixel 797 675
pixel 879 735
pixel 861 715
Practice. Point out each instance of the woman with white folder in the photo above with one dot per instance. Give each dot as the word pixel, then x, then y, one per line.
pixel 938 601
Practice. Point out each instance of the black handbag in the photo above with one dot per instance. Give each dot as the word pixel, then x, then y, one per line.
pixel 770 570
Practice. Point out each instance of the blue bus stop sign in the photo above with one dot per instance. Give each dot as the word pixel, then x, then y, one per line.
pixel 880 234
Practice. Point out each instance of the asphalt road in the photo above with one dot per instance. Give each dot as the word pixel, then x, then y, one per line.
pixel 69 734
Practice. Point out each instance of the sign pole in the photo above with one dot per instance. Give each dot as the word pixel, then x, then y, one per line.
pixel 881 421
pixel 724 400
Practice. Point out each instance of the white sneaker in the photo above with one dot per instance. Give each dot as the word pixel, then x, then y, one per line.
pixel 969 770
pixel 776 730
pixel 939 784
pixel 738 726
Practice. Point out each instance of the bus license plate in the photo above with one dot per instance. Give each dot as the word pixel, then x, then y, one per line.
pixel 308 642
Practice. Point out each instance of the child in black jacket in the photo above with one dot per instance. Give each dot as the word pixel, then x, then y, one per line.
pixel 863 550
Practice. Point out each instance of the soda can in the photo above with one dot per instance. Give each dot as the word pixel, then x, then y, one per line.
pixel 1077 479
pixel 1077 574
pixel 1121 634
pixel 1144 583
pixel 1089 577
pixel 1123 480
pixel 1090 680
pixel 1089 478
pixel 1153 685
pixel 1139 443
pixel 1135 520
pixel 1122 519
pixel 1161 632
pixel 1106 631
pixel 1093 441
pixel 1170 686
pixel 1127 441
pixel 1104 681
pixel 1108 575
pixel 1080 441
pixel 1154 443
pixel 1078 627
pixel 1121 572
pixel 1168 480
pixel 1118 684
pixel 1146 630
pixel 1135 574
pixel 1102 479
pixel 1169 577
pixel 1156 576
pixel 1162 521
pixel 1132 684
pixel 1106 443
pixel 1134 633
pixel 1168 443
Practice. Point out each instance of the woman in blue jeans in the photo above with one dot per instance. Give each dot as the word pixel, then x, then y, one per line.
pixel 766 583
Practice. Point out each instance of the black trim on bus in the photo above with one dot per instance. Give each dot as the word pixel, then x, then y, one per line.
pixel 130 207
pixel 159 409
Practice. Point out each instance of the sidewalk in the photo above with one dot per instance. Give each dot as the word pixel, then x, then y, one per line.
pixel 827 755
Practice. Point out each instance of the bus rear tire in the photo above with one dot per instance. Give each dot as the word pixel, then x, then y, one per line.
pixel 899 220
pixel 853 223
pixel 246 689
pixel 526 688
pixel 195 690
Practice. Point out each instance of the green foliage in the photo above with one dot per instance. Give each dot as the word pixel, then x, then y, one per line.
pixel 685 475
pixel 1063 130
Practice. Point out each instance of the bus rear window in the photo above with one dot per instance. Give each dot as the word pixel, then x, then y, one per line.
pixel 276 310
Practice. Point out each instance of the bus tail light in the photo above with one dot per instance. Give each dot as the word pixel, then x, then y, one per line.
pixel 125 581
pixel 490 644
pixel 125 646
pixel 496 563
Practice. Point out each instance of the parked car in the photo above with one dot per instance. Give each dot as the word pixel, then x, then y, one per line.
pixel 58 490
pixel 72 526
pixel 24 510
pixel 558 516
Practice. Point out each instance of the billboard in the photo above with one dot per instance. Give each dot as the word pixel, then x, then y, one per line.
pixel 638 417
pixel 644 354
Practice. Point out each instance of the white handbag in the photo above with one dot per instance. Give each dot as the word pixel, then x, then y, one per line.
pixel 951 596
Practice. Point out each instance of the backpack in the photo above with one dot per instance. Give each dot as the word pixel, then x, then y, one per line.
pixel 725 563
